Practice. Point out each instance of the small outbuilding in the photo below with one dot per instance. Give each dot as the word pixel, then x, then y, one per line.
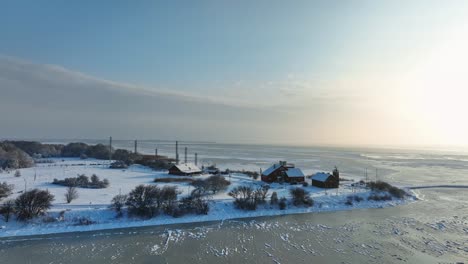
pixel 184 169
pixel 283 172
pixel 326 180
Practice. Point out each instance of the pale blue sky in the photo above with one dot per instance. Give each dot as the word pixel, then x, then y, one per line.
pixel 314 61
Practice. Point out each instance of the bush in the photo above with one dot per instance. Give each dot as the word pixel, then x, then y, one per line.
pixel 274 198
pixel 213 184
pixel 17 173
pixel 5 189
pixel 33 203
pixel 282 203
pixel 83 181
pixel 118 203
pixel 169 180
pixel 194 204
pixel 381 197
pixel 305 184
pixel 301 197
pixel 142 200
pixel 262 193
pixel 381 186
pixel 147 200
pixel 71 194
pixel 245 197
pixel 118 165
pixel 7 209
pixel 82 221
pixel 351 198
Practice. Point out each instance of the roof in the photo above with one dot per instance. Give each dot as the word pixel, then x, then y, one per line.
pixel 294 172
pixel 187 167
pixel 321 176
pixel 271 169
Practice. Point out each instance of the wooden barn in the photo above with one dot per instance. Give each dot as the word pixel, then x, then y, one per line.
pixel 326 180
pixel 283 172
pixel 184 169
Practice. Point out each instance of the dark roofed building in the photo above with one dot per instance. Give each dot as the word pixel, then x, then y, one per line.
pixel 283 172
pixel 184 169
pixel 326 180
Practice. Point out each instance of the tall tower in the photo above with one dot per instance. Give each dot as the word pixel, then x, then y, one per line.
pixel 185 156
pixel 136 146
pixel 177 152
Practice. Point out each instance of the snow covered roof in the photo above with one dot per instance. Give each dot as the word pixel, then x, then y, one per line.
pixel 321 176
pixel 294 172
pixel 271 169
pixel 188 167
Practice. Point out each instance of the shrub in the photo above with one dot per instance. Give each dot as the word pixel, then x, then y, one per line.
pixel 17 173
pixel 7 209
pixel 305 184
pixel 71 194
pixel 83 181
pixel 194 204
pixel 301 197
pixel 245 197
pixel 282 203
pixel 33 203
pixel 118 203
pixel 274 198
pixel 381 197
pixel 349 200
pixel 81 221
pixel 147 200
pixel 169 180
pixel 118 165
pixel 213 183
pixel 5 189
pixel 381 186
pixel 142 200
pixel 262 193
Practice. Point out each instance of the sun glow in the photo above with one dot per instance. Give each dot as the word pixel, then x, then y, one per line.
pixel 439 91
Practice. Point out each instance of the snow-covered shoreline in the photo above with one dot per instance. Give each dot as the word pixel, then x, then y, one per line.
pixel 93 203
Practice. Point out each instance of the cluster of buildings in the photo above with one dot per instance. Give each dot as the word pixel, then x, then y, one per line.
pixel 287 172
pixel 281 172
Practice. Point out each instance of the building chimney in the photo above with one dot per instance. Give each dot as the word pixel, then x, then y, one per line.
pixel 110 148
pixel 177 152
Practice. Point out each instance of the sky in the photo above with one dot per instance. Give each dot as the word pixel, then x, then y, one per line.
pixel 333 72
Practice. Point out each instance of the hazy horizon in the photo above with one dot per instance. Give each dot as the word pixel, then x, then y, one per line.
pixel 356 73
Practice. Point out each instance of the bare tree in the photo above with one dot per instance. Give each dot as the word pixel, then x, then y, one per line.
pixel 71 194
pixel 118 203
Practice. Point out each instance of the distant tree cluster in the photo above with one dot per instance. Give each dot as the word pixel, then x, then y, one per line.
pixel 83 181
pixel 38 150
pixel 248 198
pixel 11 157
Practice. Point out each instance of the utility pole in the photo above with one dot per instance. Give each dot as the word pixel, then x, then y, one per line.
pixel 367 177
pixel 177 152
pixel 376 175
pixel 196 159
pixel 136 145
pixel 155 154
pixel 185 157
pixel 110 149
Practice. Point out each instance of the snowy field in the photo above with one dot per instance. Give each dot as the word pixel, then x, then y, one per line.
pixel 94 203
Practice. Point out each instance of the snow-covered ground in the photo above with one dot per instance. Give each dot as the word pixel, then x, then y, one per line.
pixel 94 203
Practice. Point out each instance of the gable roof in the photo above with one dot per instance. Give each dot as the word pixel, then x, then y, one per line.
pixel 321 176
pixel 271 169
pixel 294 172
pixel 187 167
